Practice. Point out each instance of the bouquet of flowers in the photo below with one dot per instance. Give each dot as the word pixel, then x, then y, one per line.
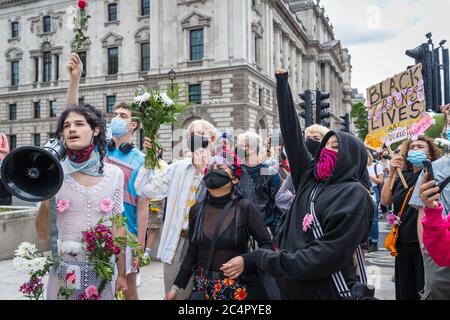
pixel 101 249
pixel 80 23
pixel 154 108
pixel 28 259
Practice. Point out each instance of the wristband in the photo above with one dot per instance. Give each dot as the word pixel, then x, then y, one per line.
pixel 177 289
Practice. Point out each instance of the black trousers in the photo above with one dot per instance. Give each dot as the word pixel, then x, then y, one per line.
pixel 409 272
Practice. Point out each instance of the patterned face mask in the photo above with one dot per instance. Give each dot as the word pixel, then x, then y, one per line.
pixel 326 163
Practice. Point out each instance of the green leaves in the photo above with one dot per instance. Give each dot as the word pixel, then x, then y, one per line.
pixel 359 115
pixel 154 108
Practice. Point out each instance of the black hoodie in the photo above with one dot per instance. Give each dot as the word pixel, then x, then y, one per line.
pixel 343 206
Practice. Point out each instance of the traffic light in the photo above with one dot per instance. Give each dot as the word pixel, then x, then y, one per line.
pixel 322 115
pixel 307 106
pixel 345 123
pixel 431 77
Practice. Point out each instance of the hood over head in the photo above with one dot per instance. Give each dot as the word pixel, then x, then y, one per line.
pixel 351 163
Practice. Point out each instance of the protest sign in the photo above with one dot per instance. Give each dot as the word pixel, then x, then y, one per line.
pixel 398 102
pixel 396 135
pixel 420 127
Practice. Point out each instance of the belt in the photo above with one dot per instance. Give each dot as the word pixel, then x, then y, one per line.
pixel 184 233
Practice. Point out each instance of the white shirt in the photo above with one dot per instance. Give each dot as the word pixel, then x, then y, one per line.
pixel 371 170
pixel 175 184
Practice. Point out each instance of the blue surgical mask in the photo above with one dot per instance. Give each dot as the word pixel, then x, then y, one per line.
pixel 416 158
pixel 448 133
pixel 118 127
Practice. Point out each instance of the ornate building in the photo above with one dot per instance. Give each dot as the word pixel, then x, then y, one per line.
pixel 224 51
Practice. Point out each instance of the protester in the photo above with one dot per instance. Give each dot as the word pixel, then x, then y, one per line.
pixel 436 229
pixel 313 136
pixel 121 153
pixel 437 279
pixel 4 147
pixel 316 132
pixel 330 186
pixel 376 179
pixel 181 185
pixel 409 272
pixel 240 221
pixel 88 181
pixel 261 182
pixel 385 163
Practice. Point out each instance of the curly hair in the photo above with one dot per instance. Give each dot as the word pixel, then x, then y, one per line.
pixel 434 151
pixel 96 119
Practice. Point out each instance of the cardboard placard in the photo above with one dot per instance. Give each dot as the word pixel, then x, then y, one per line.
pixel 399 134
pixel 420 127
pixel 398 102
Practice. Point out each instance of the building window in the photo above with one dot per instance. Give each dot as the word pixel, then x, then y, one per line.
pixel 47 24
pixel 197 44
pixel 56 67
pixel 80 101
pixel 36 70
pixel 113 60
pixel 47 57
pixel 145 7
pixel 82 56
pixel 257 50
pixel 12 112
pixel 145 56
pixel 261 96
pixel 12 141
pixel 195 93
pixel 14 29
pixel 37 110
pixel 110 101
pixel 52 110
pixel 37 139
pixel 112 12
pixel 14 73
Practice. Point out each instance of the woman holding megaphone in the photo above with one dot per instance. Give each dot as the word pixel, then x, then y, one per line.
pixel 91 190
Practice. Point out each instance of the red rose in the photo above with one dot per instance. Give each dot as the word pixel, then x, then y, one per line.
pixel 82 4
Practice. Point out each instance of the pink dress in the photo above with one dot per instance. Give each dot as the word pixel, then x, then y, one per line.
pixel 83 212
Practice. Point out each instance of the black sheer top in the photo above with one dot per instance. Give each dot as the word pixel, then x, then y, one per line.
pixel 242 220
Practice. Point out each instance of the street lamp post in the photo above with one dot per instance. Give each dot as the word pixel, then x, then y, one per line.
pixel 172 76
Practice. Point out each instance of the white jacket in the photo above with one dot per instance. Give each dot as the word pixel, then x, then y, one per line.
pixel 174 184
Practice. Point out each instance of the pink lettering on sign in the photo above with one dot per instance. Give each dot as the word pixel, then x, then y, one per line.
pixel 420 127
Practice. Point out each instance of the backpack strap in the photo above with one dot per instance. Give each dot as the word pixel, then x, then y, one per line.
pixel 444 184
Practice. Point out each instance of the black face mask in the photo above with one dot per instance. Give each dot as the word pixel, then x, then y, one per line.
pixel 312 146
pixel 198 142
pixel 216 179
pixel 385 157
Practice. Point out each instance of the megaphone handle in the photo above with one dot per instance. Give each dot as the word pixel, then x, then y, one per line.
pixel 54 233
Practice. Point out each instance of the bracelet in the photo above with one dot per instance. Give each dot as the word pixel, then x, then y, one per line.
pixel 176 288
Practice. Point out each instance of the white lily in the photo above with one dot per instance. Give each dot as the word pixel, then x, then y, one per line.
pixel 165 99
pixel 142 98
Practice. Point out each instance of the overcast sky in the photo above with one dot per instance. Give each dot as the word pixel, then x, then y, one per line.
pixel 378 32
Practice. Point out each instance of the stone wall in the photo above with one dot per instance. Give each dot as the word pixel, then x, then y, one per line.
pixel 17 226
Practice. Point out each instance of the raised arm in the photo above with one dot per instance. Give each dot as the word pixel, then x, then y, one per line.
pixel 297 153
pixel 74 69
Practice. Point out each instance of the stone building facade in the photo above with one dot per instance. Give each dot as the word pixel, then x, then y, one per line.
pixel 224 51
